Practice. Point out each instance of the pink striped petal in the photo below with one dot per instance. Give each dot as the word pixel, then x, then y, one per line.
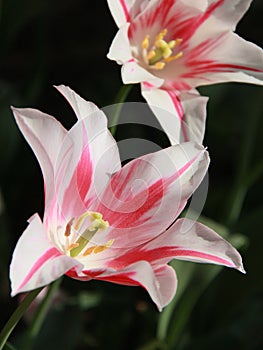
pixel 148 193
pixel 226 58
pixel 124 10
pixel 226 14
pixel 193 241
pixel 88 157
pixel 36 262
pixel 45 135
pixel 160 283
pixel 81 107
pixel 181 115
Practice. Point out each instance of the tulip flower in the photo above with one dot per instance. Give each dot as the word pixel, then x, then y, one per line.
pixel 173 46
pixel 107 222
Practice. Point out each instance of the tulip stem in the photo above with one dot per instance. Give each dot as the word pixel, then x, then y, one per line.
pixel 120 98
pixel 16 316
pixel 40 315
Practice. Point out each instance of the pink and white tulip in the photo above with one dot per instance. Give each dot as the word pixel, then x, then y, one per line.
pixel 173 46
pixel 107 222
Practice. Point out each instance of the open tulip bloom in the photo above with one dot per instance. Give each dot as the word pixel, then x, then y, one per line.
pixel 107 222
pixel 173 46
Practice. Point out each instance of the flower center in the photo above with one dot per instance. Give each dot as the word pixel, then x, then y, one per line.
pixel 161 52
pixel 92 223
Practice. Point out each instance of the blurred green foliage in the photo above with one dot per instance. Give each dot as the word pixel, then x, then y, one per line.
pixel 46 42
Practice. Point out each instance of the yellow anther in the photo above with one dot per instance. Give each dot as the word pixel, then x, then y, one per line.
pixel 88 251
pixel 150 55
pixel 172 58
pixel 159 65
pixel 99 249
pixel 72 246
pixel 160 36
pixel 178 41
pixel 145 42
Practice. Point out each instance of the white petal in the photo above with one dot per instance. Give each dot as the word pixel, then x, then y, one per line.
pixel 45 135
pixel 189 240
pixel 160 283
pixel 133 73
pixel 120 49
pixel 81 107
pixel 148 193
pixel 181 115
pixel 87 158
pixel 125 10
pixel 36 262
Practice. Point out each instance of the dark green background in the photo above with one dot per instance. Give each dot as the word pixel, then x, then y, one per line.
pixel 52 42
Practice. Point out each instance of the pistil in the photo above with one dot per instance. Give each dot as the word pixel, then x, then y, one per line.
pixel 96 224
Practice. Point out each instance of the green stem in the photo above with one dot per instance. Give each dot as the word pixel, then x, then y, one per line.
pixel 120 98
pixel 16 316
pixel 40 315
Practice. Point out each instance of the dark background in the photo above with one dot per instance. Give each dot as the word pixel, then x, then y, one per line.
pixel 45 42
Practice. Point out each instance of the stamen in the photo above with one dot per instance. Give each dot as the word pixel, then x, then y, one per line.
pixel 159 65
pixel 145 42
pixel 68 228
pixel 160 36
pixel 172 58
pixel 99 248
pixel 161 52
pixel 88 251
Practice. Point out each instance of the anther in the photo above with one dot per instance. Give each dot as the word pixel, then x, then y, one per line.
pixel 172 58
pixel 159 65
pixel 68 228
pixel 145 42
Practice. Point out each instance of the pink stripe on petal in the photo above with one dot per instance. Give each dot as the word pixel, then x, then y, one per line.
pixel 180 111
pixel 51 253
pixel 84 171
pixel 124 216
pixel 166 254
pixel 125 10
pixel 185 253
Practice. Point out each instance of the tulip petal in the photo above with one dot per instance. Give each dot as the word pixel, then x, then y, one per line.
pixel 120 49
pixel 225 58
pixel 124 10
pixel 36 262
pixel 181 115
pixel 88 157
pixel 81 107
pixel 192 241
pixel 148 193
pixel 132 73
pixel 160 283
pixel 45 136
